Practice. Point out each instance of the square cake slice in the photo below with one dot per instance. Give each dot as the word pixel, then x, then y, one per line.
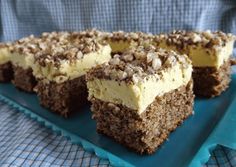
pixel 22 54
pixel 6 72
pixel 210 53
pixel 60 71
pixel 21 51
pixel 140 96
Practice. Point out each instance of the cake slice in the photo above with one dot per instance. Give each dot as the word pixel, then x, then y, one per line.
pixel 60 71
pixel 210 53
pixel 140 96
pixel 21 51
pixel 6 72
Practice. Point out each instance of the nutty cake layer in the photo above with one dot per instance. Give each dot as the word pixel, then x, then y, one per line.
pixel 211 81
pixel 147 131
pixel 63 98
pixel 6 72
pixel 20 53
pixel 23 79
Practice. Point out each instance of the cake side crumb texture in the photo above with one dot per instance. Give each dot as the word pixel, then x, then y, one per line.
pixel 145 132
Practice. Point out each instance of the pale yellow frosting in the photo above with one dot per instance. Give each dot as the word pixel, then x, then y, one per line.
pixel 4 55
pixel 203 57
pixel 67 70
pixel 194 44
pixel 118 46
pixel 22 60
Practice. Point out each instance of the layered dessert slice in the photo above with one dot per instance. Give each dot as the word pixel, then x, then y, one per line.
pixel 60 71
pixel 21 51
pixel 139 97
pixel 210 53
pixel 6 72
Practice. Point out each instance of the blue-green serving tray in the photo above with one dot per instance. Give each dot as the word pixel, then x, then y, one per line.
pixel 189 144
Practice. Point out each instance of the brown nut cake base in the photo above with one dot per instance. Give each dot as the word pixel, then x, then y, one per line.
pixel 63 98
pixel 144 133
pixel 6 72
pixel 210 81
pixel 24 79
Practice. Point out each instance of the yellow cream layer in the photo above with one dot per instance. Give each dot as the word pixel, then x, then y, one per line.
pixel 118 46
pixel 139 96
pixel 16 59
pixel 203 57
pixel 4 55
pixel 66 70
pixel 22 60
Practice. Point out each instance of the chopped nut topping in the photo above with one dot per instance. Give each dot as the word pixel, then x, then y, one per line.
pixel 138 63
pixel 56 47
pixel 135 38
pixel 207 39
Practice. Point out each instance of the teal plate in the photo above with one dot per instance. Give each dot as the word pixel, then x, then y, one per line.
pixel 180 148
